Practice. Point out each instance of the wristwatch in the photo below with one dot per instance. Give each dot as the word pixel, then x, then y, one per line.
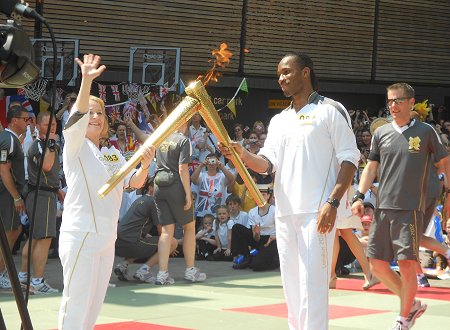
pixel 358 196
pixel 334 202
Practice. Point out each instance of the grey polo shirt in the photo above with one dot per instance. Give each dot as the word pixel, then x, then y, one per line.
pixel 405 160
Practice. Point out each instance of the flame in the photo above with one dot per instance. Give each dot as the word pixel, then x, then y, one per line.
pixel 223 58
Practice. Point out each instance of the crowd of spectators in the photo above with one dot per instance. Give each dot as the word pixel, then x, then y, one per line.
pixel 229 225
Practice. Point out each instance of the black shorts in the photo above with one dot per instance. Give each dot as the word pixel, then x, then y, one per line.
pixel 170 202
pixel 10 218
pixel 142 249
pixel 45 219
pixel 395 235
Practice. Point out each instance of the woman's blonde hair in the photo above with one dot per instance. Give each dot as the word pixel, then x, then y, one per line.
pixel 105 130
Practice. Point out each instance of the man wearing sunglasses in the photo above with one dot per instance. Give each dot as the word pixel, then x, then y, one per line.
pixel 12 179
pixel 402 151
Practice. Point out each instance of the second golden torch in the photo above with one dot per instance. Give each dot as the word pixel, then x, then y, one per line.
pixel 197 95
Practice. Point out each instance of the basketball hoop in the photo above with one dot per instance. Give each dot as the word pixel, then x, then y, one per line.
pixel 34 91
pixel 136 92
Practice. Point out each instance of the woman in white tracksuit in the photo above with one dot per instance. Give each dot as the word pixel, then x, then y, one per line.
pixel 89 225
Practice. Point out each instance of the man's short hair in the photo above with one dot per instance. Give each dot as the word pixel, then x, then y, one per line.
pixel 233 199
pixel 409 91
pixel 42 115
pixel 304 61
pixel 15 111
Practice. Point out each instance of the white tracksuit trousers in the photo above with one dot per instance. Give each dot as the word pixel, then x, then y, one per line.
pixel 87 260
pixel 305 263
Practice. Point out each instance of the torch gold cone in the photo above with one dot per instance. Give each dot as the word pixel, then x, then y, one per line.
pixel 212 119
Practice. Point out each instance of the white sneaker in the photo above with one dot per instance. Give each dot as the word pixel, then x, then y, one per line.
pixel 417 309
pixel 194 275
pixel 23 279
pixel 122 272
pixel 163 278
pixel 144 276
pixel 5 283
pixel 42 288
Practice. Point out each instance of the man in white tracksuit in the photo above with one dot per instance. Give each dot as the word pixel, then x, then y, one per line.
pixel 311 147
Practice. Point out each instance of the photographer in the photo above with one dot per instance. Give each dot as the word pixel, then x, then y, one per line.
pixel 212 185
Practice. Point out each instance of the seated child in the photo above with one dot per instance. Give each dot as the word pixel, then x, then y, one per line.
pixel 222 229
pixel 206 242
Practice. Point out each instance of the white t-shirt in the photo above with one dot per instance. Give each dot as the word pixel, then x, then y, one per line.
pixel 241 218
pixel 266 222
pixel 222 232
pixel 211 192
pixel 27 141
pixel 87 169
pixel 306 150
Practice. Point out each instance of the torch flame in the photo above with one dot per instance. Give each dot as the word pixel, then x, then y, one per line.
pixel 223 56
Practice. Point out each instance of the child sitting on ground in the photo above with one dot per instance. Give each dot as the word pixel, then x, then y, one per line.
pixel 206 242
pixel 222 228
pixel 234 209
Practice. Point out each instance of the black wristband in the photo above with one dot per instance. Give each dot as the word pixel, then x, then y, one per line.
pixel 334 202
pixel 358 196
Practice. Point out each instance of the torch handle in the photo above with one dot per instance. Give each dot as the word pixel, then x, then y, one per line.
pixel 180 115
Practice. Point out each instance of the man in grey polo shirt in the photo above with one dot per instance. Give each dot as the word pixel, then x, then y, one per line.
pixel 403 151
pixel 12 179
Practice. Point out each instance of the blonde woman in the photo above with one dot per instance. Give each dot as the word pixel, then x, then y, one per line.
pixel 89 225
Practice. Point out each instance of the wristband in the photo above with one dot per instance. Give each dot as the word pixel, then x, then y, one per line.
pixel 18 199
pixel 358 196
pixel 334 202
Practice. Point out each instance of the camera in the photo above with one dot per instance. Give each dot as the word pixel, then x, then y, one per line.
pixel 212 161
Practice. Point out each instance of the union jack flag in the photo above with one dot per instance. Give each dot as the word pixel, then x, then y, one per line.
pixel 102 92
pixel 116 93
pixel 114 113
pixel 129 110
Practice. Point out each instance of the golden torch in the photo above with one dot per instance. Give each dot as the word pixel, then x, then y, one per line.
pixel 180 115
pixel 209 113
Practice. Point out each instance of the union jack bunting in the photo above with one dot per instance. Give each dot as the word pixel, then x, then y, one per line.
pixel 102 92
pixel 116 93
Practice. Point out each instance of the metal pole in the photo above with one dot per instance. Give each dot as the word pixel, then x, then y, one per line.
pixel 17 290
pixel 37 24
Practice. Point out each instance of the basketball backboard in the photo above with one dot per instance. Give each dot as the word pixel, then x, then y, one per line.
pixel 158 66
pixel 67 51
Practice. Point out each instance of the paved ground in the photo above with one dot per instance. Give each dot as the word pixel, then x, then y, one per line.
pixel 228 299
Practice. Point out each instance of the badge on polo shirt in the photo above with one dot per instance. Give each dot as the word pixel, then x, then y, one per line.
pixel 3 156
pixel 414 144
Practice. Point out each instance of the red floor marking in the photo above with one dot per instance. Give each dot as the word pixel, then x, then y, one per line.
pixel 280 310
pixel 135 326
pixel 428 293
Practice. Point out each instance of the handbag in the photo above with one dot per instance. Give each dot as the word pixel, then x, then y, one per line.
pixel 164 178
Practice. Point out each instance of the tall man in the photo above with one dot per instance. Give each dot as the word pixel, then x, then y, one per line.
pixel 12 179
pixel 403 152
pixel 45 217
pixel 312 148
